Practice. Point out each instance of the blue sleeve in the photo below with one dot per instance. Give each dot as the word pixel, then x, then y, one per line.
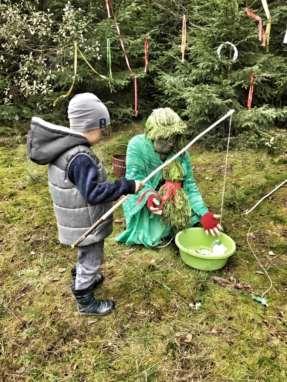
pixel 83 172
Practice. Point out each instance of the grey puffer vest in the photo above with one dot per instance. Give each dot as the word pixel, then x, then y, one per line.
pixel 73 214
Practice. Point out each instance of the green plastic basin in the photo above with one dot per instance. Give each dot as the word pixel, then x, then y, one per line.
pixel 192 239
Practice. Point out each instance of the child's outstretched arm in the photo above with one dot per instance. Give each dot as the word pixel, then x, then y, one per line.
pixel 83 172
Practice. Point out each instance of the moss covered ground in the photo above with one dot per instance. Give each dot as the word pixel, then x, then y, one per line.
pixel 172 323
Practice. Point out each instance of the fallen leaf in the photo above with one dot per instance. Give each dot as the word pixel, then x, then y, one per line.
pixel 220 280
pixel 130 251
pixel 231 283
pixel 242 286
pixel 21 370
pixel 188 338
pixel 91 322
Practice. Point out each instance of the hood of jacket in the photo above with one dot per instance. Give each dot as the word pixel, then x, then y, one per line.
pixel 46 141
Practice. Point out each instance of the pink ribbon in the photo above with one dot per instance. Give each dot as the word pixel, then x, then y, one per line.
pixel 111 13
pixel 251 91
pixel 261 31
pixel 146 54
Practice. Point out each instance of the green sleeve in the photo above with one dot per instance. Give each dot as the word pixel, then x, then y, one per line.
pixel 140 161
pixel 190 186
pixel 142 227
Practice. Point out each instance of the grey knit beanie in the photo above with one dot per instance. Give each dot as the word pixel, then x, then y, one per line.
pixel 87 112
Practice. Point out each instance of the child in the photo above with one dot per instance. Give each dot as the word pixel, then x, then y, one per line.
pixel 79 190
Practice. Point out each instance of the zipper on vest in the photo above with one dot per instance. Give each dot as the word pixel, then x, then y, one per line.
pixel 66 176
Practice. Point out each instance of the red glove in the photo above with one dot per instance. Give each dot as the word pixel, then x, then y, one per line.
pixel 153 204
pixel 210 223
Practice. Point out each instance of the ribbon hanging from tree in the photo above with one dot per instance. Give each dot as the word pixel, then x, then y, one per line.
pixel 76 51
pixel 91 67
pixel 111 14
pixel 109 58
pixel 108 9
pixel 285 38
pixel 261 32
pixel 268 26
pixel 251 91
pixel 183 38
pixel 146 53
pixel 136 103
pixel 123 46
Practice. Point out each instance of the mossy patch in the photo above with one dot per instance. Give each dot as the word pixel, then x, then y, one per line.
pixel 159 331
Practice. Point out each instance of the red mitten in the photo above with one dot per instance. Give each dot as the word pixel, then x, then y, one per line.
pixel 209 221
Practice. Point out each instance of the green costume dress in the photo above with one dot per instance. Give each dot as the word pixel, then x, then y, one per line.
pixel 142 226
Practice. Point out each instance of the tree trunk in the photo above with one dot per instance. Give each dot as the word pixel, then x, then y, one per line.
pixel 43 4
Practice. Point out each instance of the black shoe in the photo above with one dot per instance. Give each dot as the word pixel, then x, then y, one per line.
pixel 98 281
pixel 88 305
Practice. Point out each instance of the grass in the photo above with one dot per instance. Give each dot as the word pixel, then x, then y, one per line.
pixel 156 333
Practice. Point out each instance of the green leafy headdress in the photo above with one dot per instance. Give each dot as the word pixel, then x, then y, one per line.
pixel 164 123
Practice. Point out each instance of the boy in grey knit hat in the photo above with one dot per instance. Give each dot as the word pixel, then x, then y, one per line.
pixel 79 190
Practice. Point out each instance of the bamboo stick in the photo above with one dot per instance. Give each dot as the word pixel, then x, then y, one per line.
pixel 152 174
pixel 264 197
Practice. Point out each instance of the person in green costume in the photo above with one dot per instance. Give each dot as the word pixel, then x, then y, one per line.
pixel 144 224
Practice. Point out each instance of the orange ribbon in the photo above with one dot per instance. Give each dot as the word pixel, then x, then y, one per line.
pixel 261 31
pixel 135 82
pixel 146 54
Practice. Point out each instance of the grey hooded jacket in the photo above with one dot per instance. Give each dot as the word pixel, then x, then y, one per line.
pixel 57 146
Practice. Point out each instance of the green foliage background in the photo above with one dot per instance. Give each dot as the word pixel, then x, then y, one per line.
pixel 200 89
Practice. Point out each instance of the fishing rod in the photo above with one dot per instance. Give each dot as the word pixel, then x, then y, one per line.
pixel 152 174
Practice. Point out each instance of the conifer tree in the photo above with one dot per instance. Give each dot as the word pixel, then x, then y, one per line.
pixel 202 87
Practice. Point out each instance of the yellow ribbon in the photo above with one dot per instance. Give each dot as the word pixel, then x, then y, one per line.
pixel 269 22
pixel 76 50
pixel 183 38
pixel 91 67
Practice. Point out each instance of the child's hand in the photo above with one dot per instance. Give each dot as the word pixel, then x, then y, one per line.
pixel 139 186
